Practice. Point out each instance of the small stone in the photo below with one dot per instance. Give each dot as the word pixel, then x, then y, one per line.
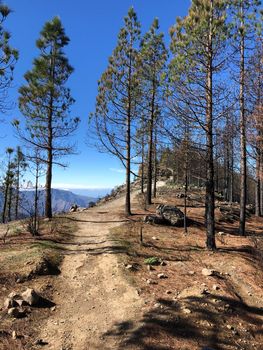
pixel 21 302
pixel 53 308
pixel 15 312
pixel 9 303
pixel 149 281
pixel 155 238
pixel 163 263
pixel 14 335
pixel 129 267
pixel 187 311
pixel 150 268
pixel 208 272
pixel 230 327
pixel 162 276
pixel 157 305
pixel 216 287
pixel 41 342
pixel 168 292
pixel 30 296
pixel 191 273
pixel 14 295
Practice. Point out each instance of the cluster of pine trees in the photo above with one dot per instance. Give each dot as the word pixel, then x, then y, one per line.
pixel 204 94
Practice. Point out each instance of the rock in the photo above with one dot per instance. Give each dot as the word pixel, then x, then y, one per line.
pixel 158 305
pixel 21 302
pixel 191 273
pixel 14 295
pixel 73 208
pixel 129 267
pixel 30 296
pixel 208 272
pixel 155 238
pixel 16 312
pixel 173 215
pixel 216 287
pixel 40 342
pixel 161 276
pixel 150 268
pixel 153 219
pixel 221 233
pixel 163 263
pixel 149 281
pixel 14 335
pixel 168 292
pixel 10 303
pixel 230 327
pixel 187 311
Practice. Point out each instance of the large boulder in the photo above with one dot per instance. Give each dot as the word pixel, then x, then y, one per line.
pixel 173 215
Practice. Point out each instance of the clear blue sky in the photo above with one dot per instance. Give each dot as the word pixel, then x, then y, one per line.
pixel 92 26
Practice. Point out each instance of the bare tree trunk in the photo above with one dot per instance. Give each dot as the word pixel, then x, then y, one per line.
pixel 149 165
pixel 210 195
pixel 243 162
pixel 257 187
pixel 17 190
pixel 10 195
pixel 5 201
pixel 48 203
pixel 128 168
pixel 155 165
pixel 142 167
pixel 35 224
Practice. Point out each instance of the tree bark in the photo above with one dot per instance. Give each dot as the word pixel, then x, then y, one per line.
pixel 243 161
pixel 210 195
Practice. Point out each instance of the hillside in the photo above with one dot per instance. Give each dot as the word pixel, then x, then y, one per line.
pixel 108 296
pixel 62 200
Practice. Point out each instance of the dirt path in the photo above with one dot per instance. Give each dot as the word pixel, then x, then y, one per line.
pixel 91 293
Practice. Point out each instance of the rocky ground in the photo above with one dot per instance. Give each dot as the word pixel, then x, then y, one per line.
pixel 166 292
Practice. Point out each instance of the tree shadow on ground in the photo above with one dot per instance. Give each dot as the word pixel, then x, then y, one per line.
pixel 167 327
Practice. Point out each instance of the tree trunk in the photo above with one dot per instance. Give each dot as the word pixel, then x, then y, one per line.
pixel 36 200
pixel 210 195
pixel 17 189
pixel 5 201
pixel 149 165
pixel 257 187
pixel 243 162
pixel 10 195
pixel 128 168
pixel 155 165
pixel 142 162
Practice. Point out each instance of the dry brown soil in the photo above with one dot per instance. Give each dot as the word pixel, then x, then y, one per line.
pixel 102 305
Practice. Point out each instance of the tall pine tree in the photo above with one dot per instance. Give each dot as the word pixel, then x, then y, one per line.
pixel 117 99
pixel 45 101
pixel 8 58
pixel 153 56
pixel 198 41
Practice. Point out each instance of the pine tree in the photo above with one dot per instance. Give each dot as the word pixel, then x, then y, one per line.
pixel 198 41
pixel 245 24
pixel 117 100
pixel 153 55
pixel 20 166
pixel 8 59
pixel 45 102
pixel 7 185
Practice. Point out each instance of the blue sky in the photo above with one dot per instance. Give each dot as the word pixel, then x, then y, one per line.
pixel 93 27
